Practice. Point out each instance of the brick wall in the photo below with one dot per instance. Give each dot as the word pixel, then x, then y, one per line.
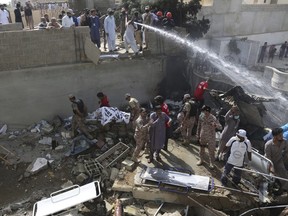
pixel 11 27
pixel 27 49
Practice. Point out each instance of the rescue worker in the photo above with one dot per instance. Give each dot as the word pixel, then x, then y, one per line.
pixel 147 20
pixel 239 145
pixel 159 100
pixel 103 100
pixel 207 124
pixel 276 150
pixel 78 119
pixel 187 118
pixel 138 32
pixel 168 22
pixel 232 120
pixel 141 133
pixel 134 108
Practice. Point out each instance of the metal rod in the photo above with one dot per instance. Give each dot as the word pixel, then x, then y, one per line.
pixel 264 174
pixel 267 207
pixel 159 209
pixel 201 205
pixel 236 190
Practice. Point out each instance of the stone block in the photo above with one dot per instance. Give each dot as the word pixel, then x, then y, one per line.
pixel 114 173
pixel 121 186
pixel 128 164
pixel 81 177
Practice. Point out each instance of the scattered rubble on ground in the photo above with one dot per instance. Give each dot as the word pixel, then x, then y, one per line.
pixel 46 159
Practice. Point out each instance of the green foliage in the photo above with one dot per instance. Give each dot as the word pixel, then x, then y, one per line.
pixel 232 47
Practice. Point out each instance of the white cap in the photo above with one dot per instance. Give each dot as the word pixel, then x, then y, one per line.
pixel 70 11
pixel 241 133
pixel 186 96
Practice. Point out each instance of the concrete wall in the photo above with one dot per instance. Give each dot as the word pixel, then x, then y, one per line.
pixel 11 27
pixel 231 18
pixel 27 49
pixel 29 95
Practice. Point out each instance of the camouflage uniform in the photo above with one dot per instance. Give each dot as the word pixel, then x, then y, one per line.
pixel 140 136
pixel 187 123
pixel 78 121
pixel 135 110
pixel 206 134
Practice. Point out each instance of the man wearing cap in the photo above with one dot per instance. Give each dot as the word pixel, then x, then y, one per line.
pixel 134 106
pixel 276 150
pixel 206 134
pixel 110 29
pixel 239 145
pixel 189 112
pixel 67 20
pixel 78 119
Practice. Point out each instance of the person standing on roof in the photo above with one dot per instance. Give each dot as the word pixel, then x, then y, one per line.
pixel 168 21
pixel 239 145
pixel 110 29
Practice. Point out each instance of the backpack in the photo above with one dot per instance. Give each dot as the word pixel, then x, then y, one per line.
pixel 194 108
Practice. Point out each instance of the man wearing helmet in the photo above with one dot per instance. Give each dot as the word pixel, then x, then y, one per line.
pixel 168 21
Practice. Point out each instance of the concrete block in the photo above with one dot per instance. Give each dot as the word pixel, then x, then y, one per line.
pixel 67 184
pixel 128 164
pixel 109 207
pixel 114 173
pixel 121 186
pixel 132 210
pixel 81 177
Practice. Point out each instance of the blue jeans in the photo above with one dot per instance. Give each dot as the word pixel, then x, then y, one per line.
pixel 236 177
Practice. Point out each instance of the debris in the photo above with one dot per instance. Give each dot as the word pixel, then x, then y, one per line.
pixel 58 148
pixel 176 213
pixel 67 184
pixel 12 136
pixel 37 165
pixel 79 168
pixel 128 164
pixel 93 168
pixel 3 129
pixel 113 155
pixel 114 173
pixel 109 141
pixel 46 141
pixel 109 207
pixel 81 177
pixel 46 127
pixel 66 135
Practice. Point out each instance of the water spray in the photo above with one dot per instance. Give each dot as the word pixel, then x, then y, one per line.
pixel 248 81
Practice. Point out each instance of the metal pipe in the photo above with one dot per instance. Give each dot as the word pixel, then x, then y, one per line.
pixel 201 205
pixel 236 190
pixel 264 174
pixel 159 209
pixel 267 207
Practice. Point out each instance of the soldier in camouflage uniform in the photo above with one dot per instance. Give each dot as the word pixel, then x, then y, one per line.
pixel 207 124
pixel 78 119
pixel 134 108
pixel 141 133
pixel 188 121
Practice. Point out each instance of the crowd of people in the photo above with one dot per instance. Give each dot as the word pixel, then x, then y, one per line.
pixel 130 28
pixel 270 53
pixel 151 132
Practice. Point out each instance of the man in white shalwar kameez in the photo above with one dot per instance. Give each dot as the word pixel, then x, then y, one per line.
pixel 110 27
pixel 129 38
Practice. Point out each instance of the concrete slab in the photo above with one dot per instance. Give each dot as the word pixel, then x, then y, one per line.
pixel 184 157
pixel 91 51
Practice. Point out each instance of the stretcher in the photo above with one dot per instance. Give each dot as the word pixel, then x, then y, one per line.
pixel 62 200
pixel 177 178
